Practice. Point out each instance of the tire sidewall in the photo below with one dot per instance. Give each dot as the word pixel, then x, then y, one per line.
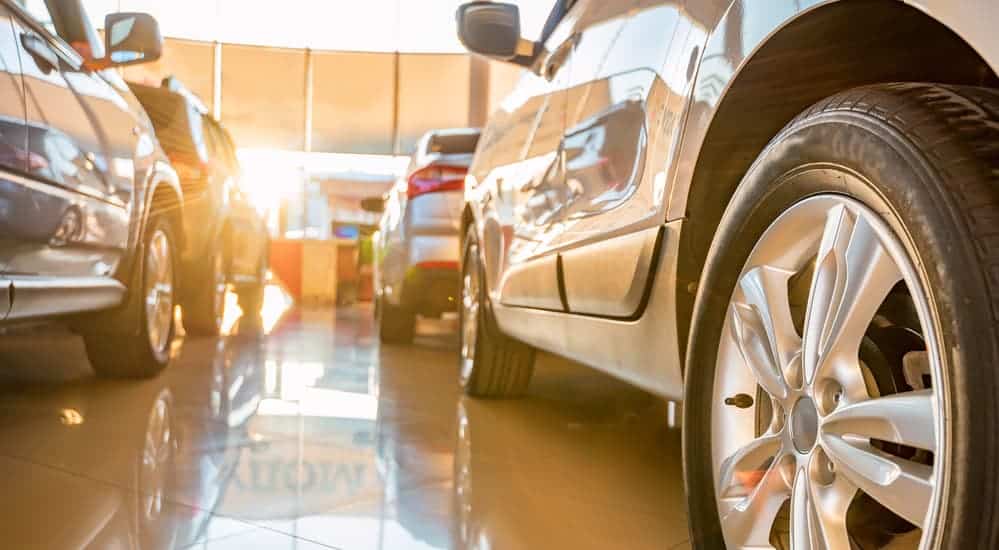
pixel 468 261
pixel 860 157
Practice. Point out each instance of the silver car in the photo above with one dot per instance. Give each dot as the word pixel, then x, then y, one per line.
pixel 417 250
pixel 783 214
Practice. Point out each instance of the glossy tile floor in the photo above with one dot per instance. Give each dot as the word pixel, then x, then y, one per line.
pixel 309 436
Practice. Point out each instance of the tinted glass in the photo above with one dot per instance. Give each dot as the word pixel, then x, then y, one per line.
pixel 453 144
pixel 178 126
pixel 218 145
pixel 39 11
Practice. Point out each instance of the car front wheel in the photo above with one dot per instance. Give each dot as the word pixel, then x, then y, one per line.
pixel 133 340
pixel 491 364
pixel 841 381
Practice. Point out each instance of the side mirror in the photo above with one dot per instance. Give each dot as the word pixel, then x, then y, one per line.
pixel 492 29
pixel 131 38
pixel 373 204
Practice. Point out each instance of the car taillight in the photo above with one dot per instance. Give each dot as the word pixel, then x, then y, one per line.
pixel 433 179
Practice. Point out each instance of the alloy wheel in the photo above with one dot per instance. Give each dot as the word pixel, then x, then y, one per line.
pixel 469 311
pixel 822 427
pixel 159 291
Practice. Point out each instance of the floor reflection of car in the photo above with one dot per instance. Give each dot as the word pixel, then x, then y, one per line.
pixel 230 241
pixel 165 460
pixel 417 251
pixel 781 214
pixel 90 227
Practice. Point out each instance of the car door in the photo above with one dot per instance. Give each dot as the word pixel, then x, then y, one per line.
pixel 628 90
pixel 522 150
pixel 72 222
pixel 14 153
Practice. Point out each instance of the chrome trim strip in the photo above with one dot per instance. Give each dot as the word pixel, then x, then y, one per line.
pixel 56 189
pixel 49 296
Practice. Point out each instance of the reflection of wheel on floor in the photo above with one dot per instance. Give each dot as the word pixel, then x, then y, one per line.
pixel 133 340
pixel 840 387
pixel 492 364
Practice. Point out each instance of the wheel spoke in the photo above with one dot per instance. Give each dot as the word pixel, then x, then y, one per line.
pixel 853 275
pixel 749 522
pixel 744 469
pixel 750 334
pixel 818 514
pixel 159 251
pixel 804 535
pixel 905 418
pixel 765 289
pixel 902 486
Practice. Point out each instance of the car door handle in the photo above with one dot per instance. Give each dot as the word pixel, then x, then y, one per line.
pixel 46 58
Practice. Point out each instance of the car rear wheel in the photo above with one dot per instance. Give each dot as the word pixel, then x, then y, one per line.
pixel 841 382
pixel 491 363
pixel 204 312
pixel 396 324
pixel 251 295
pixel 134 340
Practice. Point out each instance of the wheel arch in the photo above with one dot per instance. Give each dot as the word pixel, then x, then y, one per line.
pixel 166 196
pixel 740 101
pixel 467 220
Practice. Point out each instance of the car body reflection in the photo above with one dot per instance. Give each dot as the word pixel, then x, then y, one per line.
pixel 141 449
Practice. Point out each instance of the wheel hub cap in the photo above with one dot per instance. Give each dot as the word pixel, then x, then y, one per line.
pixel 831 435
pixel 804 425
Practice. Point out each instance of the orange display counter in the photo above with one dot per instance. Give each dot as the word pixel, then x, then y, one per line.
pixel 286 265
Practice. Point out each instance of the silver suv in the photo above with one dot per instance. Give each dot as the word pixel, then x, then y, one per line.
pixel 785 215
pixel 417 250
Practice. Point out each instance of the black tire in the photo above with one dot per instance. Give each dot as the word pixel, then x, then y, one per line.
pixel 926 158
pixel 204 311
pixel 251 295
pixel 396 324
pixel 501 366
pixel 117 341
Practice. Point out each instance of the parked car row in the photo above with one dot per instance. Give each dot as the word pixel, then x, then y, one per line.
pixel 108 220
pixel 784 217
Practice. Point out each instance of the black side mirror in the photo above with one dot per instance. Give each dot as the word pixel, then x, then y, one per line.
pixel 132 38
pixel 492 29
pixel 373 204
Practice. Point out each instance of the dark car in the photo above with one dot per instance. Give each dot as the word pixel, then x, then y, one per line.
pixel 229 243
pixel 91 215
pixel 783 214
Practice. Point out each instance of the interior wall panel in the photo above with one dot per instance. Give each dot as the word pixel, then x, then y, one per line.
pixel 263 93
pixel 433 93
pixel 188 60
pixel 352 102
pixel 263 96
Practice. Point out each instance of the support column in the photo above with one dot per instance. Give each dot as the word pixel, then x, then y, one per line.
pixel 217 80
pixel 309 84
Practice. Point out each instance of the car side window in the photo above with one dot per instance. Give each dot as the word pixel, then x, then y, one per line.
pixel 217 144
pixel 230 149
pixel 39 11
